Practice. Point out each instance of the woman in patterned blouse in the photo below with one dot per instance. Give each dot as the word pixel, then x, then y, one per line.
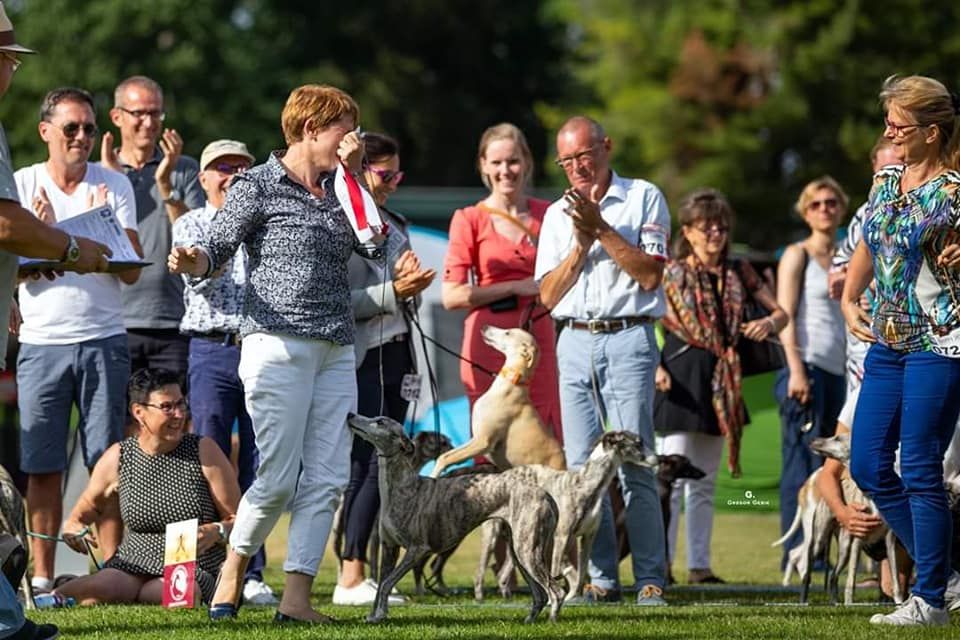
pixel 159 476
pixel 297 359
pixel 911 388
pixel 699 404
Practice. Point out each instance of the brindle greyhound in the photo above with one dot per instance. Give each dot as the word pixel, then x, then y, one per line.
pixel 427 515
pixel 578 495
pixel 427 446
pixel 13 522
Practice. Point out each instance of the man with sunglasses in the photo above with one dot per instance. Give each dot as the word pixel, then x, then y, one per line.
pixel 600 262
pixel 165 183
pixel 73 343
pixel 211 320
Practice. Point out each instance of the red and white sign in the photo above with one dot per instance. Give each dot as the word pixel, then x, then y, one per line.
pixel 180 564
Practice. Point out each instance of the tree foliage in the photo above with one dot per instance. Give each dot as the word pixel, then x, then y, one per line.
pixel 434 73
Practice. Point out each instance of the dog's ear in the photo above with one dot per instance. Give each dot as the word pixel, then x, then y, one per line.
pixel 407 446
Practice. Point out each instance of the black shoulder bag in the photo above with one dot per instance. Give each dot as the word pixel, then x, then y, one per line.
pixel 763 356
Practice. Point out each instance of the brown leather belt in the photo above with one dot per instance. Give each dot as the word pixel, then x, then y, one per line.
pixel 608 325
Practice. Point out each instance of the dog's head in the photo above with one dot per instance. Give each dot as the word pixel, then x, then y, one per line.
pixel 836 447
pixel 384 433
pixel 675 466
pixel 628 448
pixel 517 345
pixel 429 445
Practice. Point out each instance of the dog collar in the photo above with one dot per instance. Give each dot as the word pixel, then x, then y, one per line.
pixel 515 376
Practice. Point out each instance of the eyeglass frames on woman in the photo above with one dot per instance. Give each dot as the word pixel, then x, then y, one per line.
pixel 900 129
pixel 140 114
pixel 816 205
pixel 14 60
pixel 169 408
pixel 714 229
pixel 387 175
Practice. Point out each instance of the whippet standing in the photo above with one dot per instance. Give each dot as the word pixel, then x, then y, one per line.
pixel 427 515
pixel 578 495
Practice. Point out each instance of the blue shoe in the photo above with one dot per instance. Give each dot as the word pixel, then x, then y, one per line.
pixel 222 611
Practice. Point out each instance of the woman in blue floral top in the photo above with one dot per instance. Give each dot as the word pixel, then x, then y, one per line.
pixel 911 389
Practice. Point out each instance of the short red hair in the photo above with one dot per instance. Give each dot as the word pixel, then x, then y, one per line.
pixel 317 105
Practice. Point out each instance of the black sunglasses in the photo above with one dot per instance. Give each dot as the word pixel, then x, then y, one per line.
pixel 72 129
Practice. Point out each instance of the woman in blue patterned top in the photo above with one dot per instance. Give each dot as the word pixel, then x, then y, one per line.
pixel 911 388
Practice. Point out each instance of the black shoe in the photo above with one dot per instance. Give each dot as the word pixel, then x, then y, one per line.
pixel 282 618
pixel 32 631
pixel 222 611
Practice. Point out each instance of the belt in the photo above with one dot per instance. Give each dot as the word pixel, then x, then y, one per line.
pixel 402 337
pixel 608 325
pixel 226 339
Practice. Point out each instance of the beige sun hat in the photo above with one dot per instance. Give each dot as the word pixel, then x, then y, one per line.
pixel 220 148
pixel 8 41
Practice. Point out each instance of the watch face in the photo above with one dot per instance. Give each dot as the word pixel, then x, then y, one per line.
pixel 73 250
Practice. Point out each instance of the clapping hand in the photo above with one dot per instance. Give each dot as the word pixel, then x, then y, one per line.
pixel 42 207
pixel 585 214
pixel 409 279
pixel 172 146
pixel 108 153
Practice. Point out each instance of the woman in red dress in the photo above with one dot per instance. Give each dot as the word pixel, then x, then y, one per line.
pixel 489 270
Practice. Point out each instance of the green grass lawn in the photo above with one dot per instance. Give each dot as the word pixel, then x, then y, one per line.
pixel 742 555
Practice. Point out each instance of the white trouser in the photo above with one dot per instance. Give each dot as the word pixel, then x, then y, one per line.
pixel 298 393
pixel 704 451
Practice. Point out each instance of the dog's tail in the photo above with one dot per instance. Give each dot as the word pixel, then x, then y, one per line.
pixel 794 526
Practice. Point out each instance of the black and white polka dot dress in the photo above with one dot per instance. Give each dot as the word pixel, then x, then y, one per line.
pixel 154 491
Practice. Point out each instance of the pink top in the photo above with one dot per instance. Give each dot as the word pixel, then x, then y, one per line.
pixel 475 247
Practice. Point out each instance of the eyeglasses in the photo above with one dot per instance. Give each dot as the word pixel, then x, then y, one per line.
pixel 72 129
pixel 229 169
pixel 387 175
pixel 582 157
pixel 816 205
pixel 14 60
pixel 141 114
pixel 169 408
pixel 899 129
pixel 714 229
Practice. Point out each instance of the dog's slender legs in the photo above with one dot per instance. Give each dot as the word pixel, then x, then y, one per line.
pixel 475 447
pixel 381 603
pixel 851 571
pixel 843 558
pixel 806 559
pixel 583 561
pixel 488 539
pixel 890 540
pixel 436 584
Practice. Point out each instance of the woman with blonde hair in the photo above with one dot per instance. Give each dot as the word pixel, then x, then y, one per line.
pixel 297 356
pixel 489 269
pixel 811 389
pixel 910 396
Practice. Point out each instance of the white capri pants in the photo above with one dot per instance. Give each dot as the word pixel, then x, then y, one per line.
pixel 704 451
pixel 298 393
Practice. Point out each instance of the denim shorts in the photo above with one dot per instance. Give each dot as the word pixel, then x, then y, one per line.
pixel 52 379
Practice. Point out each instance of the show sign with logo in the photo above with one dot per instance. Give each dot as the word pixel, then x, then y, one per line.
pixel 180 564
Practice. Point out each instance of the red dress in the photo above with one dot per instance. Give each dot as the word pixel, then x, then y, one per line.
pixel 477 248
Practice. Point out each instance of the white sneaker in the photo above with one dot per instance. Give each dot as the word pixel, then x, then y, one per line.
pixel 952 595
pixel 258 594
pixel 363 593
pixel 913 612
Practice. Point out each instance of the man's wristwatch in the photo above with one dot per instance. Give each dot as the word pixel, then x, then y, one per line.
pixel 72 254
pixel 175 197
pixel 221 530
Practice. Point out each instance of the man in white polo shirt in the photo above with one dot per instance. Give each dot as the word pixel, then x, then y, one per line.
pixel 599 264
pixel 73 340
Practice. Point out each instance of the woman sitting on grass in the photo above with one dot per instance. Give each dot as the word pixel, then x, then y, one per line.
pixel 161 475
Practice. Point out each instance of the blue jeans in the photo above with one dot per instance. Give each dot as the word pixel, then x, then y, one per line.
pixel 11 613
pixel 606 381
pixel 797 460
pixel 912 399
pixel 216 403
